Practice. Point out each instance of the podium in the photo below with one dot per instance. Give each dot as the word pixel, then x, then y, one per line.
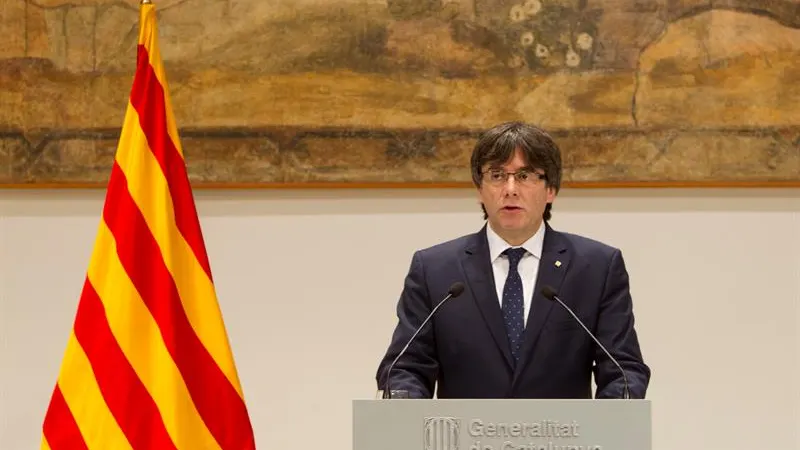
pixel 501 424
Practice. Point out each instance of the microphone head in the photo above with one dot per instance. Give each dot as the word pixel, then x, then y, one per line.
pixel 456 289
pixel 548 292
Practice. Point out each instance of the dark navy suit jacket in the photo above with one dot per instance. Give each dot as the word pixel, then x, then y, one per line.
pixel 463 352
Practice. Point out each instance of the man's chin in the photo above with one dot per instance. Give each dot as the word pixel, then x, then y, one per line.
pixel 511 224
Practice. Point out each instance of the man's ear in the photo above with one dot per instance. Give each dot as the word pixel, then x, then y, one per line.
pixel 551 194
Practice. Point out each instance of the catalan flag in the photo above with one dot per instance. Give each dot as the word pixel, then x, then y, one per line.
pixel 148 364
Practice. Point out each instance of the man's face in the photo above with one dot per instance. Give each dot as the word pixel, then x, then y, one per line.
pixel 514 203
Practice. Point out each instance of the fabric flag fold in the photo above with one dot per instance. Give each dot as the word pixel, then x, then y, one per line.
pixel 148 364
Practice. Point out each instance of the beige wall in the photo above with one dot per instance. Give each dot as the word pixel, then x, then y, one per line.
pixel 715 278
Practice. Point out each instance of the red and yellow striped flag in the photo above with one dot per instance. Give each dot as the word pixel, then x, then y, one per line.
pixel 148 365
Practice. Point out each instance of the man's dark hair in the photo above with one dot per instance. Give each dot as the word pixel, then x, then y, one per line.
pixel 497 146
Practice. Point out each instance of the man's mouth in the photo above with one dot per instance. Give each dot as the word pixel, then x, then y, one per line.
pixel 511 208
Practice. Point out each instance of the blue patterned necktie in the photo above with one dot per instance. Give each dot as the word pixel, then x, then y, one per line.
pixel 513 309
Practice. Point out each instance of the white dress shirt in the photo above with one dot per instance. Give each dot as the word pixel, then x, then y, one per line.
pixel 528 266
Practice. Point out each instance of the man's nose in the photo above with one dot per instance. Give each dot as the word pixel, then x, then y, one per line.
pixel 510 186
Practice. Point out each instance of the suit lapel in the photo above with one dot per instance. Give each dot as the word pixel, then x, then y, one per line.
pixel 552 268
pixel 480 277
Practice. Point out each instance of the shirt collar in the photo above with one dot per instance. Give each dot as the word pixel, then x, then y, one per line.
pixel 498 245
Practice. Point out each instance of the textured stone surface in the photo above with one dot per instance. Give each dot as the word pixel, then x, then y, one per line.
pixel 721 69
pixel 9 146
pixel 425 157
pixel 12 28
pixel 229 157
pixel 66 160
pixel 760 157
pixel 395 91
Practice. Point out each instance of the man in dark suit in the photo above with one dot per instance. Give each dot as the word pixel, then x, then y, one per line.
pixel 501 338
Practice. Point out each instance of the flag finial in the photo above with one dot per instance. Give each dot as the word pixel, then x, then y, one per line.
pixel 145 2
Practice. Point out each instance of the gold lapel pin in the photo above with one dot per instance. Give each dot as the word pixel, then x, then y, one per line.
pixel 558 263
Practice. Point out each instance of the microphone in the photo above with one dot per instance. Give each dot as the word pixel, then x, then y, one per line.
pixel 455 290
pixel 550 294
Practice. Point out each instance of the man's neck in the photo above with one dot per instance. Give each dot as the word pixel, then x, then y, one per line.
pixel 516 238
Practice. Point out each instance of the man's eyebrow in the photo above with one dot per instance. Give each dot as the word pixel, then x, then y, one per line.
pixel 528 168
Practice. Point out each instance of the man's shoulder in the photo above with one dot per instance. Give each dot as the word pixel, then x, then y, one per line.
pixel 449 248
